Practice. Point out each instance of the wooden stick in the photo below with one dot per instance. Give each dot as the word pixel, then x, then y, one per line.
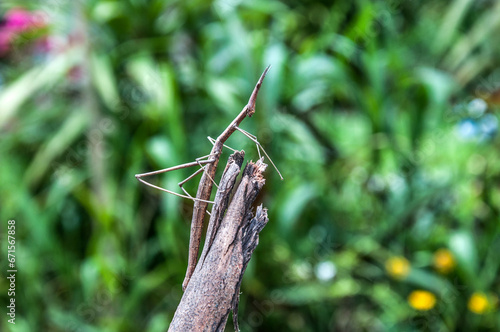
pixel 231 239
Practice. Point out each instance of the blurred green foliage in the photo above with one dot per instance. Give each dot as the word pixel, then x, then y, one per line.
pixel 381 115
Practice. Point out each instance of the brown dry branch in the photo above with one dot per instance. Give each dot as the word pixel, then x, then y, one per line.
pixel 231 239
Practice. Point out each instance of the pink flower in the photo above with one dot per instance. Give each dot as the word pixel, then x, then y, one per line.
pixel 18 20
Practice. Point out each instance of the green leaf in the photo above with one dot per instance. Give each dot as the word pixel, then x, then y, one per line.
pixel 463 247
pixel 70 130
pixel 38 78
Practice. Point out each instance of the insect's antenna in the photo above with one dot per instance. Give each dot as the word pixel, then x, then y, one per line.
pixel 253 138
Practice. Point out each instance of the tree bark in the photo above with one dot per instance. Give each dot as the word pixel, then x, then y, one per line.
pixel 231 239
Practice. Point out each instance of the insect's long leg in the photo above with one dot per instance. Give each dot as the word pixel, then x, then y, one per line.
pixel 195 163
pixel 192 197
pixel 173 168
pixel 224 145
pixel 202 168
pixel 199 161
pixel 173 192
pixel 189 178
pixel 253 138
pixel 258 151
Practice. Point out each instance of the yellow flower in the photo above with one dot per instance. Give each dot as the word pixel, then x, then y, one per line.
pixel 422 300
pixel 397 267
pixel 444 261
pixel 479 303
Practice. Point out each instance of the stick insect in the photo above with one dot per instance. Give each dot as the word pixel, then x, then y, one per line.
pixel 208 165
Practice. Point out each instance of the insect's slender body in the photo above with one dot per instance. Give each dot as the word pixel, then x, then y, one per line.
pixel 206 182
pixel 209 168
pixel 199 210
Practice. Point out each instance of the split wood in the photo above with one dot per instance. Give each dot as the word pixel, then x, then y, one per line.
pixel 231 239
